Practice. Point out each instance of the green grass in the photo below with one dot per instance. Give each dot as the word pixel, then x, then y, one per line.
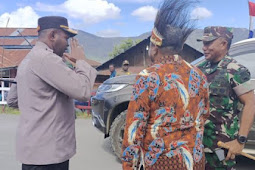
pixel 82 115
pixel 7 110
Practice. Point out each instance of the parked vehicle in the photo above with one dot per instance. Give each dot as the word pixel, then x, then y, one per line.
pixel 109 107
pixel 110 103
pixel 84 105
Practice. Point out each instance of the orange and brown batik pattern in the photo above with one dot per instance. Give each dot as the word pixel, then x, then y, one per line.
pixel 166 116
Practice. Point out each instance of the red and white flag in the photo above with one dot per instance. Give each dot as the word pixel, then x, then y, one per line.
pixel 252 14
pixel 252 8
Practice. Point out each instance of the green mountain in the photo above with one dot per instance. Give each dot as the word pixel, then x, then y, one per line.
pixel 98 48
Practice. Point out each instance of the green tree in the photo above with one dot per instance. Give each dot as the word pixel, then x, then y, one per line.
pixel 138 41
pixel 125 45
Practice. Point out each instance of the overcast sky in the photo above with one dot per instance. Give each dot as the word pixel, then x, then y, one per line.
pixel 111 18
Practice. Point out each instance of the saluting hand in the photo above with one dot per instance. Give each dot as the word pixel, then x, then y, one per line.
pixel 77 51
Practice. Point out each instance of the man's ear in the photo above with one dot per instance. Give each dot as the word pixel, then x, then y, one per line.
pixel 52 35
pixel 224 43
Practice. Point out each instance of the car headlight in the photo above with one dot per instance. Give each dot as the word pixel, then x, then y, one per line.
pixel 108 88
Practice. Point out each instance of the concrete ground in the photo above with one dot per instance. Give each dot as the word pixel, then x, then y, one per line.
pixel 8 124
pixel 93 151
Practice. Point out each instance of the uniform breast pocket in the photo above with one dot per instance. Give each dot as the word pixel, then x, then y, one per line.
pixel 219 96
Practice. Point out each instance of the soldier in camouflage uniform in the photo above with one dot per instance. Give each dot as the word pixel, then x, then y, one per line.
pixel 231 93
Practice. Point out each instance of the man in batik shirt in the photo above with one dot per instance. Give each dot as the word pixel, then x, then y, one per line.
pixel 166 115
pixel 231 93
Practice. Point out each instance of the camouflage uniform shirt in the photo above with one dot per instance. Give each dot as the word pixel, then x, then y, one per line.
pixel 227 80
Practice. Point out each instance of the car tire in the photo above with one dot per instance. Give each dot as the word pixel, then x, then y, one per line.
pixel 117 133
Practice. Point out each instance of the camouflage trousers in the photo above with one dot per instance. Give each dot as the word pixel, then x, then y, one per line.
pixel 213 163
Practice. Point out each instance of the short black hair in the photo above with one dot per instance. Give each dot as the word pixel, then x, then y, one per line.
pixel 45 31
pixel 42 32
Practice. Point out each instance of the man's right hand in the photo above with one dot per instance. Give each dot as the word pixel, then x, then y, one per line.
pixel 77 51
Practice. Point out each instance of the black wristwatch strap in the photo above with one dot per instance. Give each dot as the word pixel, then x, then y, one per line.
pixel 241 139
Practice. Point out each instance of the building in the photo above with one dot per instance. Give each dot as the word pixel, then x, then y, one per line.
pixel 139 59
pixel 15 44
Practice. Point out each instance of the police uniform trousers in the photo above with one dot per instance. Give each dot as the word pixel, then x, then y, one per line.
pixel 59 166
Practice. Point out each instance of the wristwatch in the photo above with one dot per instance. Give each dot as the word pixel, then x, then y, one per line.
pixel 241 139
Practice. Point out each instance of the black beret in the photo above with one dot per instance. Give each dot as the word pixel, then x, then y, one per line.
pixel 58 22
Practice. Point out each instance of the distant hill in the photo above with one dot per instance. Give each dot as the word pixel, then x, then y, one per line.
pixel 98 48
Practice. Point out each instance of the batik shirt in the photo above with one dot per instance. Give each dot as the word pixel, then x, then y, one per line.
pixel 227 80
pixel 166 115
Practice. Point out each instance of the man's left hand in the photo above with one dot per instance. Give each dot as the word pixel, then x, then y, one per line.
pixel 235 148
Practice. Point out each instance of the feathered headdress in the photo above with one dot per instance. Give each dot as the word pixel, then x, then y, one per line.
pixel 173 23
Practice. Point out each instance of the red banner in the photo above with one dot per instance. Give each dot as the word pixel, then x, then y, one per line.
pixel 252 8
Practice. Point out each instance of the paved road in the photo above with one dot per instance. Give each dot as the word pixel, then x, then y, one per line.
pixel 93 152
pixel 8 124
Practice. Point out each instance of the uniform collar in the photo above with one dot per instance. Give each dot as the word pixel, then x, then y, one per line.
pixel 209 69
pixel 43 46
pixel 168 59
pixel 224 61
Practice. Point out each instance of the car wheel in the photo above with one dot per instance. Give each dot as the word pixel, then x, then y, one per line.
pixel 117 133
